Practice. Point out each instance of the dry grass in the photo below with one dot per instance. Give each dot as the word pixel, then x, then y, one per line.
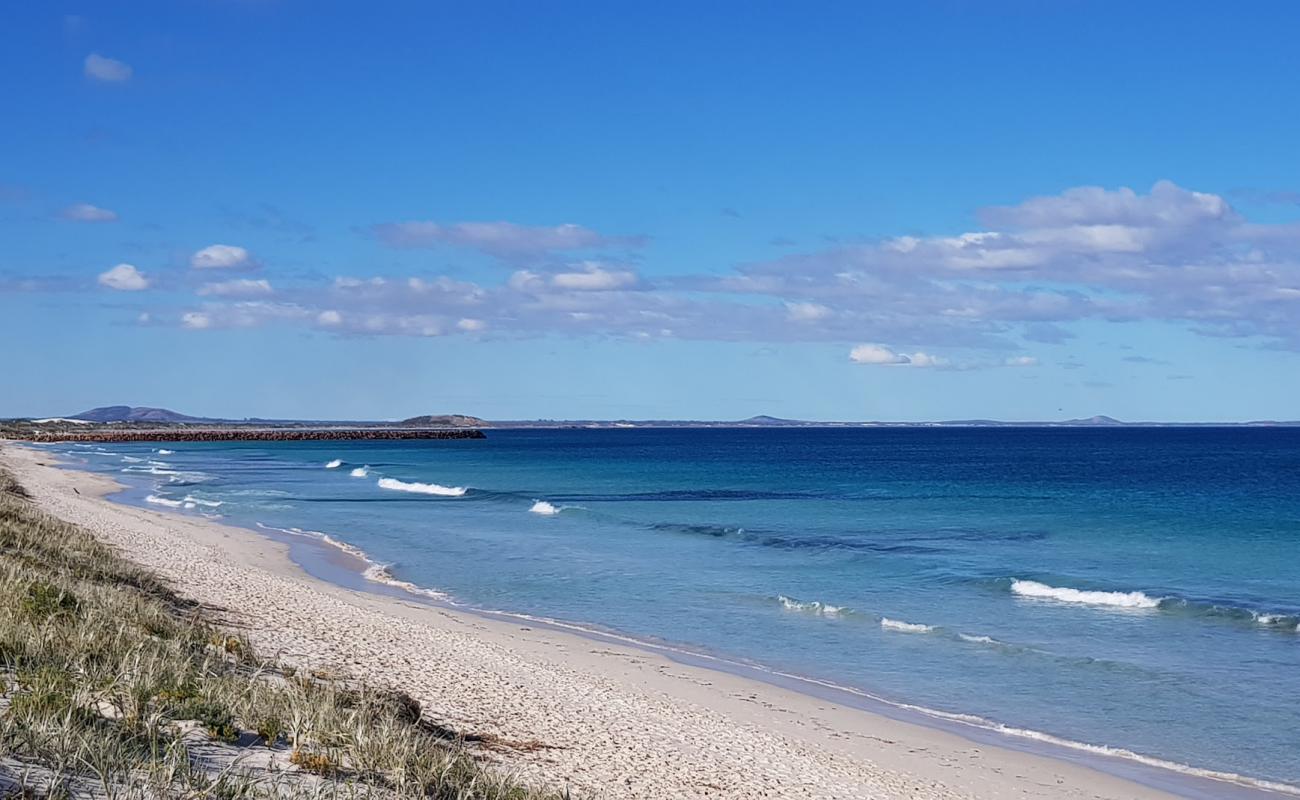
pixel 112 685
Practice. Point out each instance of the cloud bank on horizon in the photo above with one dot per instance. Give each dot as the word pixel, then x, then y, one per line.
pixel 1169 254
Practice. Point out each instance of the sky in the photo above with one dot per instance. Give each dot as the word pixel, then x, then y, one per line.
pixel 836 211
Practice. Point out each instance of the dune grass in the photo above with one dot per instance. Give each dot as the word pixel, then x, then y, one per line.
pixel 112 685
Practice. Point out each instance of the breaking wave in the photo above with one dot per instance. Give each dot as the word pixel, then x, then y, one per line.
pixel 199 501
pixel 1042 591
pixel 421 488
pixel 905 627
pixel 375 572
pixel 152 469
pixel 162 452
pixel 163 501
pixel 1288 621
pixel 815 607
pixel 544 508
pixel 335 464
pixel 360 472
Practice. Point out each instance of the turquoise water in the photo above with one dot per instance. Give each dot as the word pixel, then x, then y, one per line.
pixel 1133 588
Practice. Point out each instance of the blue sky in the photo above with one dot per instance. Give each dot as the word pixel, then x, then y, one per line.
pixel 1020 210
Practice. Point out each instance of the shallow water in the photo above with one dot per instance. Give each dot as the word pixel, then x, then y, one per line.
pixel 1134 588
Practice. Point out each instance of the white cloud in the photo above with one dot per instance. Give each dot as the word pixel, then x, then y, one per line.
pixel 1168 255
pixel 594 278
pixel 470 325
pixel 124 278
pixel 85 212
pixel 222 256
pixel 876 354
pixel 107 70
pixel 505 240
pixel 1021 361
pixel 329 318
pixel 919 359
pixel 243 287
pixel 806 312
pixel 880 355
pixel 196 320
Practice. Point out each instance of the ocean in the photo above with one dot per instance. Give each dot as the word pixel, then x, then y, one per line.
pixel 1133 589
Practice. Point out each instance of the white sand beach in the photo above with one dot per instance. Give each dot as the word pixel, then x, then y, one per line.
pixel 606 720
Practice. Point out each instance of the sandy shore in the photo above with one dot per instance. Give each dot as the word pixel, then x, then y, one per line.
pixel 616 721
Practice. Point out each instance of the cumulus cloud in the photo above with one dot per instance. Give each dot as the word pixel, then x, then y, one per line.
pixel 124 278
pixel 806 312
pixel 594 278
pixel 106 70
pixel 85 212
pixel 505 240
pixel 222 256
pixel 879 355
pixel 243 314
pixel 1029 274
pixel 236 288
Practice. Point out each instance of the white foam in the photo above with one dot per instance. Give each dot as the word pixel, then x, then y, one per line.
pixel 189 498
pixel 1042 591
pixel 163 501
pixel 374 572
pixel 152 470
pixel 544 508
pixel 360 472
pixel 335 464
pixel 811 607
pixel 421 488
pixel 379 573
pixel 132 460
pixel 966 637
pixel 164 452
pixel 905 627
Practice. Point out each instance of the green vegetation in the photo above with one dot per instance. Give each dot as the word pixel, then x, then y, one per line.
pixel 112 685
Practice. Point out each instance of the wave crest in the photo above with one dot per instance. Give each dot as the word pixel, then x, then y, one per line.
pixel 421 488
pixel 544 508
pixel 1042 591
pixel 904 627
pixel 811 607
pixel 163 501
pixel 360 472
pixel 335 464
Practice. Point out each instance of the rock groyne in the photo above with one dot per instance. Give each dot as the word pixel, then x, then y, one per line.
pixel 233 434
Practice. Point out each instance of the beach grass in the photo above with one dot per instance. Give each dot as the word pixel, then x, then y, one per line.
pixel 113 685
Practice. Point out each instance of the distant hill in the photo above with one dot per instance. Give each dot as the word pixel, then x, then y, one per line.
pixel 133 414
pixel 764 419
pixel 1097 420
pixel 443 421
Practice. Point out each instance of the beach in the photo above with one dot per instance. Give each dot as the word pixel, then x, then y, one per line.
pixel 603 719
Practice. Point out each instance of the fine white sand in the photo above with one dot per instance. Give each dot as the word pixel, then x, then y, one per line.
pixel 616 721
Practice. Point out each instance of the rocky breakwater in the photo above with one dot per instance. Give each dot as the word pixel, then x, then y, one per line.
pixel 239 434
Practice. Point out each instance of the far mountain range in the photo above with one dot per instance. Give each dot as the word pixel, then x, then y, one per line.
pixel 149 415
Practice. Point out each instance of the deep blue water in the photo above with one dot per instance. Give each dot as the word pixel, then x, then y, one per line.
pixel 928 566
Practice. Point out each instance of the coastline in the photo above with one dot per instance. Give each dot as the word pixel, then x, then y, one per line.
pixel 618 718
